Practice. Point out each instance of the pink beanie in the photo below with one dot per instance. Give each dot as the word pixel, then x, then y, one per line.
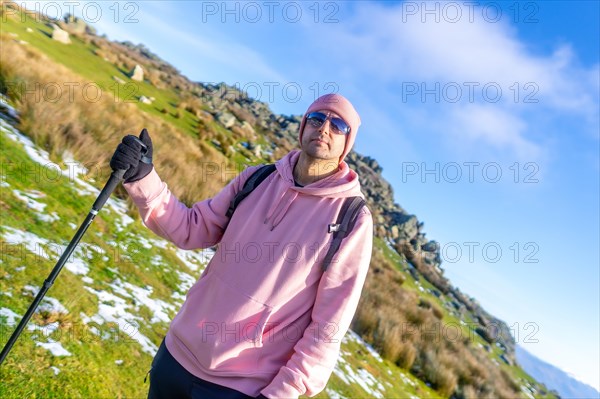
pixel 341 106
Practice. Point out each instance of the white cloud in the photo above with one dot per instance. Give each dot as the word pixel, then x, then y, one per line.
pixel 389 55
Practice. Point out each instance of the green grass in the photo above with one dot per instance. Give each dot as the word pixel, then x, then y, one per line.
pixel 79 57
pixel 84 374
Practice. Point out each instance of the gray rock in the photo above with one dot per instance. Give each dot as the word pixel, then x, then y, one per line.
pixel 145 100
pixel 74 24
pixel 226 119
pixel 60 35
pixel 431 246
pixel 137 73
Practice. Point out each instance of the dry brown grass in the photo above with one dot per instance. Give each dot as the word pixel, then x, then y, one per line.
pixel 91 130
pixel 407 330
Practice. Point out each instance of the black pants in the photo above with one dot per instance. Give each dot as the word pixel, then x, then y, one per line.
pixel 169 380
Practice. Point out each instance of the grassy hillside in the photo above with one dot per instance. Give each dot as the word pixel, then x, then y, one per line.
pixel 105 316
pixel 96 332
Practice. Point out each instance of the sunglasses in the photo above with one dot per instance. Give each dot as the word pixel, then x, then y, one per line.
pixel 338 125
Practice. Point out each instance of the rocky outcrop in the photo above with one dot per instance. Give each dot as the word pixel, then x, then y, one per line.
pixel 77 26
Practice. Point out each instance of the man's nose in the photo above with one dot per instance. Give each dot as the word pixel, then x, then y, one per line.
pixel 325 127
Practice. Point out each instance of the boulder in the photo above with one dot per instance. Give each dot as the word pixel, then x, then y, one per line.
pixel 431 246
pixel 146 100
pixel 407 225
pixel 74 25
pixel 60 35
pixel 248 129
pixel 226 119
pixel 137 73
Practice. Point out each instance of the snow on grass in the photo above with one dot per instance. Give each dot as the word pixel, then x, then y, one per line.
pixel 141 296
pixel 116 307
pixel 37 155
pixel 29 199
pixel 362 377
pixel 56 370
pixel 74 170
pixel 352 336
pixel 196 259
pixel 87 280
pixel 10 316
pixel 9 108
pixel 407 380
pixel 48 304
pixel 48 218
pixel 44 248
pixel 333 394
pixel 55 348
pixel 159 242
pixel 145 242
pixel 51 305
pixel 30 241
pixel 46 329
pixel 186 280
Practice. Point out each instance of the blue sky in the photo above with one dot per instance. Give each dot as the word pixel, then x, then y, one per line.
pixel 499 102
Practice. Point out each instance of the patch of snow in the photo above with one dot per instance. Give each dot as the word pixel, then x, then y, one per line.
pixel 53 217
pixel 195 259
pixel 352 336
pixel 55 348
pixel 9 108
pixel 11 316
pixel 29 200
pixel 87 280
pixel 333 394
pixel 159 242
pixel 361 377
pixel 186 281
pixel 114 308
pixel 41 247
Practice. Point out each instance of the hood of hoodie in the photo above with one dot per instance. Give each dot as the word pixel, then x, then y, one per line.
pixel 344 183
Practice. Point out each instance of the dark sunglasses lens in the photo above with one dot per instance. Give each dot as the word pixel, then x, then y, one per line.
pixel 317 118
pixel 341 125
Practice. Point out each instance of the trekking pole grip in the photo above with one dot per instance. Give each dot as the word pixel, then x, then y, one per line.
pixel 115 178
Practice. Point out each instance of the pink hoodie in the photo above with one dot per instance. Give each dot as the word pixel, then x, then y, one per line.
pixel 261 318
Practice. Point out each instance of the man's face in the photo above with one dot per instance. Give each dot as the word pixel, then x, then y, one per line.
pixel 321 142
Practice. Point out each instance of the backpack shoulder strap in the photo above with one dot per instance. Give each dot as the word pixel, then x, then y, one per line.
pixel 345 223
pixel 253 181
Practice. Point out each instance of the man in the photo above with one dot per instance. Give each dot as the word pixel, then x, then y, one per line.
pixel 263 319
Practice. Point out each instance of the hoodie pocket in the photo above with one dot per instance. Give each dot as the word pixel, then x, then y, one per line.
pixel 222 327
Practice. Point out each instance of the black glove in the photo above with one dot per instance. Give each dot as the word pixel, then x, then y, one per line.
pixel 129 156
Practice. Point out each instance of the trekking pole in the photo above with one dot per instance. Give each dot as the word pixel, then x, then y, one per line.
pixel 115 177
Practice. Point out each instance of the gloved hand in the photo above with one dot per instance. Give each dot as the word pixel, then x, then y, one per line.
pixel 130 157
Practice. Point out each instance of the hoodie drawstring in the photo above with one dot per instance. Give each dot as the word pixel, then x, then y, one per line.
pixel 280 207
